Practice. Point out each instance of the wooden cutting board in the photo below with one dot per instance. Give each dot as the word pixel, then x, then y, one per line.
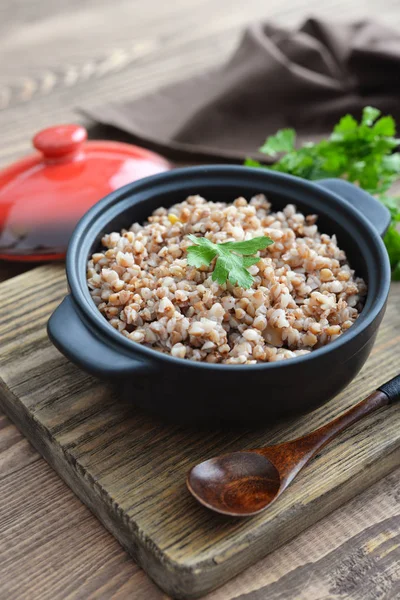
pixel 130 469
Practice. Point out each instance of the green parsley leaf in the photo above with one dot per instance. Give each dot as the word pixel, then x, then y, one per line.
pixel 346 125
pixel 385 126
pixel 200 256
pixel 283 141
pixel 248 261
pixel 392 241
pixel 369 115
pixel 233 258
pixel 396 273
pixel 249 246
pixel 250 162
pixel 393 204
pixel 360 152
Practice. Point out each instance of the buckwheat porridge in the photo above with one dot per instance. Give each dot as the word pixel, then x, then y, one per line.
pixel 303 296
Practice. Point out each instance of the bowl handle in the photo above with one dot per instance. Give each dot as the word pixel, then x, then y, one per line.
pixel 376 213
pixel 87 350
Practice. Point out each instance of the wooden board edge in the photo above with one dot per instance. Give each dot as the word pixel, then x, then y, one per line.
pixel 178 580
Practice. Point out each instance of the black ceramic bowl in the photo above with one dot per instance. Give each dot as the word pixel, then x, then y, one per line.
pixel 186 390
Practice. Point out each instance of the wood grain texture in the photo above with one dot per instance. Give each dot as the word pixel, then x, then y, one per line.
pixel 16 453
pixel 51 545
pixel 130 470
pixel 36 566
pixel 58 55
pixel 345 556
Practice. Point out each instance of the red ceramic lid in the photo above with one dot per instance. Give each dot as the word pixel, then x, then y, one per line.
pixel 43 195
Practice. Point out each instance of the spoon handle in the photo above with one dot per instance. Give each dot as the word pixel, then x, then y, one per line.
pixel 387 393
pixel 293 456
pixel 392 389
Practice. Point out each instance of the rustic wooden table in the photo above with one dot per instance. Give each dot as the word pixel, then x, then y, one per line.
pixel 55 56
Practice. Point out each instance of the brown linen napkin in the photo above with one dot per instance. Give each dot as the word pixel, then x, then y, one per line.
pixel 306 79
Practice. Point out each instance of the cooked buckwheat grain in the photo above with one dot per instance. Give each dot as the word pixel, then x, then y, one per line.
pixel 304 294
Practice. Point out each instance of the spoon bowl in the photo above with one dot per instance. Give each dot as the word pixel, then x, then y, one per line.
pixel 236 484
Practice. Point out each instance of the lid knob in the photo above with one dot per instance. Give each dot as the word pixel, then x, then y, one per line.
pixel 60 141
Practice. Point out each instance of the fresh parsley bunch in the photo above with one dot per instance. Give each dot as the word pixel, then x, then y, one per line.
pixel 233 258
pixel 361 152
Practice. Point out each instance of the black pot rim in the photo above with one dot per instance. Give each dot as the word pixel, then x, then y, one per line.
pixel 88 310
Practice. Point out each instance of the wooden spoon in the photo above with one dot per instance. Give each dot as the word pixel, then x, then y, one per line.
pixel 242 484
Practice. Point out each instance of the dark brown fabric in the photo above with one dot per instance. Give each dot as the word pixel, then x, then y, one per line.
pixel 306 79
